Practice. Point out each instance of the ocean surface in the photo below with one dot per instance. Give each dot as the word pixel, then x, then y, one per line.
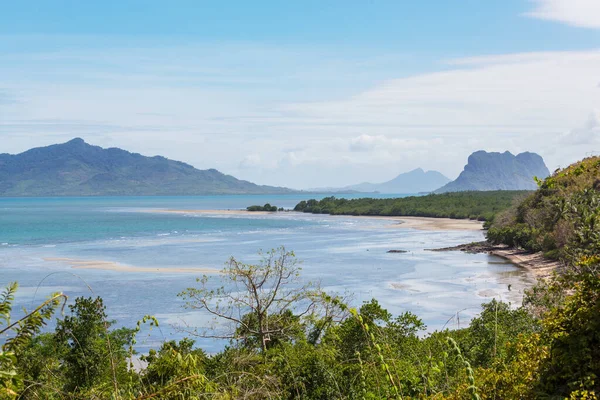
pixel 43 240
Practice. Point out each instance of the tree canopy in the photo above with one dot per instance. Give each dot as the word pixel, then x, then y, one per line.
pixel 461 205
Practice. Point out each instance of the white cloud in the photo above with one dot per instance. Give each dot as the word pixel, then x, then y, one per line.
pixel 588 134
pixel 366 142
pixel 516 102
pixel 582 13
pixel 269 131
pixel 251 161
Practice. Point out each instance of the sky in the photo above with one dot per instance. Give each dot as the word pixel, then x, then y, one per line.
pixel 307 93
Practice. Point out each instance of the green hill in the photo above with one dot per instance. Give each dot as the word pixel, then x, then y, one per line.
pixel 77 168
pixel 563 214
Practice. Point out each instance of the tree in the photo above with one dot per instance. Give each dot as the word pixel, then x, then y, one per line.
pixel 175 371
pixel 488 335
pixel 573 329
pixel 23 330
pixel 91 354
pixel 257 304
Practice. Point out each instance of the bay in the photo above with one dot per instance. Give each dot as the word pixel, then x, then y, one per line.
pixel 44 240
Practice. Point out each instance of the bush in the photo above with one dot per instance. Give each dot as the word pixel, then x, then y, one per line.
pixel 267 207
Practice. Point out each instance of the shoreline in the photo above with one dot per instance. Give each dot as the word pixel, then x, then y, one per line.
pixel 419 223
pixel 535 263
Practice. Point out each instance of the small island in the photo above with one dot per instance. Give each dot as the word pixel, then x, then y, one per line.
pixel 267 207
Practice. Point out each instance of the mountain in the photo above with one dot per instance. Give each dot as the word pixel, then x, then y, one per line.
pixel 498 171
pixel 414 181
pixel 77 168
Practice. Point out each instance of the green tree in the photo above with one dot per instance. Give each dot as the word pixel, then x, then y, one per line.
pixel 175 371
pixel 20 334
pixel 258 303
pixel 573 333
pixel 496 326
pixel 91 354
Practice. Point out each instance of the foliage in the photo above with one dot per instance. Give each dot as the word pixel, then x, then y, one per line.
pixel 490 332
pixel 176 370
pixel 257 305
pixel 562 218
pixel 22 331
pixel 267 207
pixel 91 354
pixel 573 333
pixel 481 206
pixel 288 340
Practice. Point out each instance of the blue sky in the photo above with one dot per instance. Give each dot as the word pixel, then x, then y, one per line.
pixel 305 93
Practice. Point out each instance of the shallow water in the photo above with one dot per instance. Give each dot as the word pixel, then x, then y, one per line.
pixel 345 254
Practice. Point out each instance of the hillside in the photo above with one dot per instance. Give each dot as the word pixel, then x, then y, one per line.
pixel 415 181
pixel 77 168
pixel 498 171
pixel 563 214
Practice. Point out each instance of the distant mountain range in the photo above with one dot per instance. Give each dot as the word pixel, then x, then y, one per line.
pixel 76 168
pixel 498 171
pixel 415 181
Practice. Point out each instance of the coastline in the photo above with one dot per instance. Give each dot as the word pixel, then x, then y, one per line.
pixel 420 223
pixel 536 264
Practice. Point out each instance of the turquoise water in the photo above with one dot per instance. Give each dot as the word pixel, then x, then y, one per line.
pixel 345 254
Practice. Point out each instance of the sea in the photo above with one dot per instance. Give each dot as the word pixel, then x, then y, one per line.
pixel 45 241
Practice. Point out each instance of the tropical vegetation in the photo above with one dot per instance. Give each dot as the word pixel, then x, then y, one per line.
pixel 563 214
pixel 287 339
pixel 267 207
pixel 481 206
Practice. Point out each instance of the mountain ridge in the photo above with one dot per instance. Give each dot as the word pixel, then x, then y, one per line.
pixel 76 168
pixel 414 181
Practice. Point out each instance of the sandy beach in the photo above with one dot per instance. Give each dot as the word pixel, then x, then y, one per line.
pixel 420 223
pixel 435 224
pixel 535 263
pixel 113 266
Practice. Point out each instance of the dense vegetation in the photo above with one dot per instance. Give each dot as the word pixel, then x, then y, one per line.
pixel 473 205
pixel 295 342
pixel 564 212
pixel 289 340
pixel 266 207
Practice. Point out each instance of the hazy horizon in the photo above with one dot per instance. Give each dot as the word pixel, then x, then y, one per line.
pixel 306 94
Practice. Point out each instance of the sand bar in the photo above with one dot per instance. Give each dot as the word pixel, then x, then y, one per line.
pixel 420 223
pixel 214 212
pixel 113 266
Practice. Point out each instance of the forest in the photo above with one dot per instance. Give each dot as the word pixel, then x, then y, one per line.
pixel 481 206
pixel 287 339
